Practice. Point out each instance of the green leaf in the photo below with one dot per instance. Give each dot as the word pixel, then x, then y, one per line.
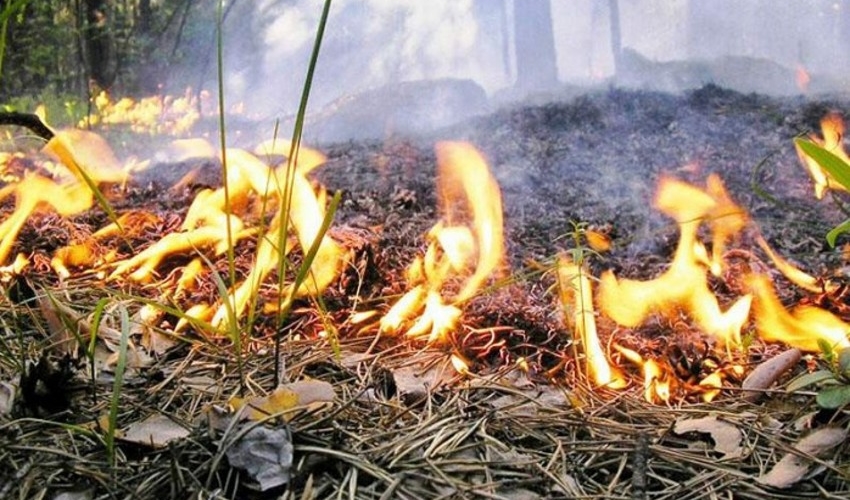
pixel 809 379
pixel 838 230
pixel 834 397
pixel 836 167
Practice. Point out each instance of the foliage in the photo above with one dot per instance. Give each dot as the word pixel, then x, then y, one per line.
pixel 833 382
pixel 149 47
pixel 838 169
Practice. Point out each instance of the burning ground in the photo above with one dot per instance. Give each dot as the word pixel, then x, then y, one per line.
pixel 491 397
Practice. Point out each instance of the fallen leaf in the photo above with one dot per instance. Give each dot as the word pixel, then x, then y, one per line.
pixel 287 398
pixel 8 391
pixel 155 431
pixel 768 372
pixel 726 436
pixel 265 454
pixel 413 383
pixel 794 466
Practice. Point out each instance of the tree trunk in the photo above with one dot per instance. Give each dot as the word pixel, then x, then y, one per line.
pixel 536 63
pixel 98 45
pixel 616 39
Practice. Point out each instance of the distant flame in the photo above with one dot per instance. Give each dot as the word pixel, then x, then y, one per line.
pixel 464 247
pixel 803 78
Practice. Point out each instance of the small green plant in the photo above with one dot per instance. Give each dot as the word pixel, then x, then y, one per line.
pixel 832 382
pixel 835 167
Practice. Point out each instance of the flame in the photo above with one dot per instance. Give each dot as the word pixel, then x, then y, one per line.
pixel 251 183
pixel 656 380
pixel 576 293
pixel 684 286
pixel 465 246
pixel 153 115
pixel 832 128
pixel 802 328
pixel 803 78
pixel 794 274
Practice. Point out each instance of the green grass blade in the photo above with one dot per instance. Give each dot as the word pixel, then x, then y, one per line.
pixel 837 168
pixel 231 253
pixel 120 368
pixel 833 233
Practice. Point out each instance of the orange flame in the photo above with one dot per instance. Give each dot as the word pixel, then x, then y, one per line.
pixel 466 245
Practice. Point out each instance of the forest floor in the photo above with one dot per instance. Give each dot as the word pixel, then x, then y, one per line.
pixel 403 423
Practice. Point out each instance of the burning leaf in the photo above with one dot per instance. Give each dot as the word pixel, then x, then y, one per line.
pixel 794 466
pixel 286 399
pixel 265 454
pixel 726 436
pixel 826 159
pixel 155 431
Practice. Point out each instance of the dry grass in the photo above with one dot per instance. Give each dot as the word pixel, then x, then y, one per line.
pixel 505 434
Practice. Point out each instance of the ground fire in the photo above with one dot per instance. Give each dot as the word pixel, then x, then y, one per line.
pixel 280 209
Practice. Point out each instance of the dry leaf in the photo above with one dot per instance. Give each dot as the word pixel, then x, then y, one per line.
pixel 794 466
pixel 767 372
pixel 155 431
pixel 285 399
pixel 8 391
pixel 413 383
pixel 726 436
pixel 265 454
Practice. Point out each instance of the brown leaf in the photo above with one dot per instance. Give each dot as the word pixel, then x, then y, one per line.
pixel 767 372
pixel 155 431
pixel 726 436
pixel 794 466
pixel 287 398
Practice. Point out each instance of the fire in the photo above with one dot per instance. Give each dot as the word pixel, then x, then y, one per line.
pixel 576 293
pixel 803 78
pixel 154 115
pixel 464 248
pixel 832 128
pixel 87 162
pixel 803 327
pixel 684 286
pixel 216 219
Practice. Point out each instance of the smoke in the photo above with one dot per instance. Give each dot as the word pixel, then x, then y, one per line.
pixel 367 44
pixel 751 45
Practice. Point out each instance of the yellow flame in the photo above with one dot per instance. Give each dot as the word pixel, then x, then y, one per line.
pixel 801 328
pixel 466 245
pixel 684 285
pixel 576 293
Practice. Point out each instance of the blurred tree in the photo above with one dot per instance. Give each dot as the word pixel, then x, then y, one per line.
pixel 98 45
pixel 536 63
